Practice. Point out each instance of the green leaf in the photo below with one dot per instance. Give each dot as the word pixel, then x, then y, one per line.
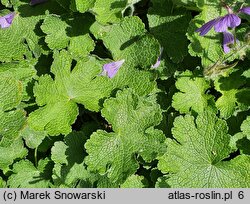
pixel 245 127
pixel 170 27
pixel 130 41
pixel 54 118
pixel 58 97
pixel 32 138
pixel 10 152
pixel 69 176
pixel 105 182
pixel 10 93
pixel 70 33
pixel 191 4
pixel 11 121
pixel 68 157
pixel 25 175
pixel 58 153
pixel 192 94
pixel 20 40
pixel 227 102
pixel 195 157
pixel 6 3
pixel 2 183
pixel 132 118
pixel 81 46
pixel 65 3
pixel 241 140
pixel 22 71
pixel 83 6
pixel 132 2
pixel 134 181
pixel 229 87
pixel 234 140
pixel 56 32
pixel 162 182
pixel 207 47
pixel 72 151
pixel 109 11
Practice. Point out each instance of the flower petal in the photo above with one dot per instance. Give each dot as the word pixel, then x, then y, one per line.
pixel 158 62
pixel 207 27
pixel 228 39
pixel 229 20
pixel 112 68
pixel 6 21
pixel 34 2
pixel 233 20
pixel 245 10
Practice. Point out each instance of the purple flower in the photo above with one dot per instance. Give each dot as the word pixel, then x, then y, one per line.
pixel 229 20
pixel 6 21
pixel 34 2
pixel 112 68
pixel 228 38
pixel 158 62
pixel 221 24
pixel 206 27
pixel 245 10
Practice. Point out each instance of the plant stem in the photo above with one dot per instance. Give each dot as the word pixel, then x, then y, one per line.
pixel 35 155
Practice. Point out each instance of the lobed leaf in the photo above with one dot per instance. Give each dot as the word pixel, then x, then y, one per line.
pixel 192 95
pixel 27 176
pixel 195 158
pixel 58 98
pixel 169 26
pixel 133 119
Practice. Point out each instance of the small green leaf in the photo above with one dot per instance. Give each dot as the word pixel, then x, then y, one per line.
pixel 191 4
pixel 68 158
pixel 22 71
pixel 241 140
pixel 245 127
pixel 81 46
pixel 11 121
pixel 2 183
pixel 58 153
pixel 109 11
pixel 70 33
pixel 162 182
pixel 25 175
pixel 10 93
pixel 10 152
pixel 134 181
pixel 70 176
pixel 170 27
pixel 229 87
pixel 83 6
pixel 56 32
pixel 129 40
pixel 192 94
pixel 32 138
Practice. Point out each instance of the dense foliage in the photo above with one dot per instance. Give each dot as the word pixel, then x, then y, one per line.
pixel 125 93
